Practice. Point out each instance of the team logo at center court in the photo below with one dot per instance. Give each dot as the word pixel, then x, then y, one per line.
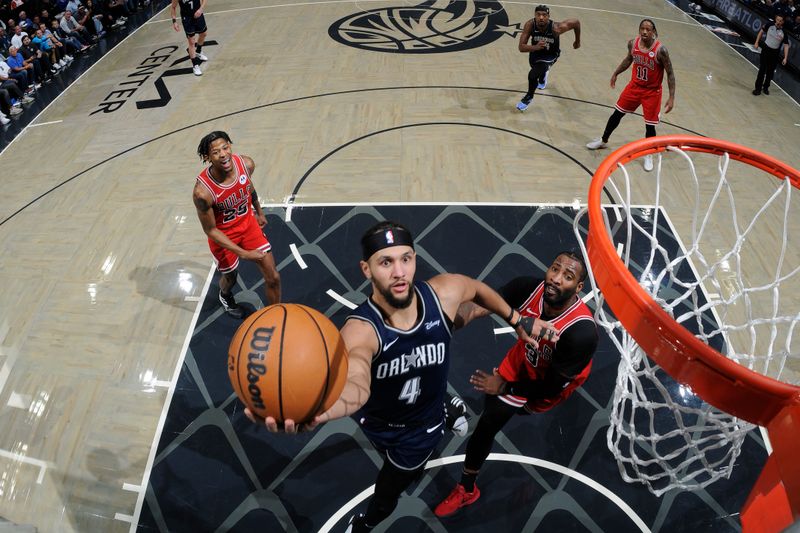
pixel 432 27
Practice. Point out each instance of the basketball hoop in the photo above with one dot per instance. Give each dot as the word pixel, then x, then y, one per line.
pixel 684 306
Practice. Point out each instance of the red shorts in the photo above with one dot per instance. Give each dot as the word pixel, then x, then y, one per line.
pixel 650 99
pixel 515 367
pixel 248 236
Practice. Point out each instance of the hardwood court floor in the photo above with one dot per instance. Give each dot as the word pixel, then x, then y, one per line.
pixel 104 260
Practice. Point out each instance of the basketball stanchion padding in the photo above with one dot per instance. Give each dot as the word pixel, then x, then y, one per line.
pixel 671 332
pixel 287 361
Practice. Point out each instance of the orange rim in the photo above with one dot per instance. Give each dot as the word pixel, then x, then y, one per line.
pixel 720 381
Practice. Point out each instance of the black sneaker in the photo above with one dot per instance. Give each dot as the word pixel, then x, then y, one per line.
pixel 756 92
pixel 766 91
pixel 455 417
pixel 230 305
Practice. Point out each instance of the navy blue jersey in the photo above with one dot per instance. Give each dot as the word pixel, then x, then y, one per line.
pixel 553 49
pixel 409 372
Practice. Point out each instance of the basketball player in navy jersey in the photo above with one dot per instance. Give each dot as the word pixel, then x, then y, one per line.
pixel 399 354
pixel 541 40
pixel 650 60
pixel 531 379
pixel 194 26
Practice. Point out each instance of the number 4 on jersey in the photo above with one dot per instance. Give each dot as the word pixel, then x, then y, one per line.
pixel 411 391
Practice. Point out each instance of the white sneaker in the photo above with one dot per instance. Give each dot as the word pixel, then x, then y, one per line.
pixel 15 111
pixel 543 84
pixel 197 71
pixel 596 144
pixel 648 163
pixel 69 59
pixel 26 99
pixel 62 63
pixel 201 57
pixel 4 119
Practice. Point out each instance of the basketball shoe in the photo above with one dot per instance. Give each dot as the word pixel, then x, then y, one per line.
pixel 197 71
pixel 523 104
pixel 596 144
pixel 457 499
pixel 455 417
pixel 648 163
pixel 201 57
pixel 230 305
pixel 543 80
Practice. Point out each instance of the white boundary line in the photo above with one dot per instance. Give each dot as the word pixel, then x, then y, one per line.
pixel 27 460
pixel 167 402
pixel 541 463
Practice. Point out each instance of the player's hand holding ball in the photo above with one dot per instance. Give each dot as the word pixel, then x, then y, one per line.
pixel 287 364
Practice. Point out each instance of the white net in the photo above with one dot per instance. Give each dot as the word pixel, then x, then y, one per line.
pixel 723 266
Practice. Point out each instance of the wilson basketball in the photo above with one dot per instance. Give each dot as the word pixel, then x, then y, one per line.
pixel 287 361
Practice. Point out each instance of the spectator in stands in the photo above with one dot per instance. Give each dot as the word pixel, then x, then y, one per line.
pixel 117 10
pixel 71 27
pixel 25 22
pixel 782 8
pixel 90 20
pixel 44 18
pixel 5 41
pixel 42 66
pixel 20 70
pixel 56 50
pixel 5 107
pixel 73 44
pixel 16 39
pixel 9 83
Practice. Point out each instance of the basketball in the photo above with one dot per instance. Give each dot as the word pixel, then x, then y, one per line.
pixel 287 361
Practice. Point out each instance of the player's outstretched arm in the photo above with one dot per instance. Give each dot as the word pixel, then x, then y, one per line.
pixel 454 290
pixel 627 62
pixel 362 344
pixel 571 24
pixel 663 58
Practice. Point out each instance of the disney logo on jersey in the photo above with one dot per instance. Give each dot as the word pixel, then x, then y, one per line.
pixel 421 356
pixel 534 355
pixel 432 324
pixel 432 27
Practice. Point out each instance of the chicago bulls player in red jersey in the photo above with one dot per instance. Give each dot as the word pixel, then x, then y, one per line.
pixel 531 379
pixel 650 60
pixel 223 195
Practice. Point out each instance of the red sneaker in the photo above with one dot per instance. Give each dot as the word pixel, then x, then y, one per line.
pixel 456 500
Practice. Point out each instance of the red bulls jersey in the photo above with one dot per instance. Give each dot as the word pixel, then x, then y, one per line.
pixel 538 360
pixel 231 202
pixel 647 72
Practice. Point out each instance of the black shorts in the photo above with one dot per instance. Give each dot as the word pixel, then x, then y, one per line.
pixel 193 26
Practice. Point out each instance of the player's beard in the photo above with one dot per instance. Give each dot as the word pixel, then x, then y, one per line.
pixel 559 298
pixel 394 301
